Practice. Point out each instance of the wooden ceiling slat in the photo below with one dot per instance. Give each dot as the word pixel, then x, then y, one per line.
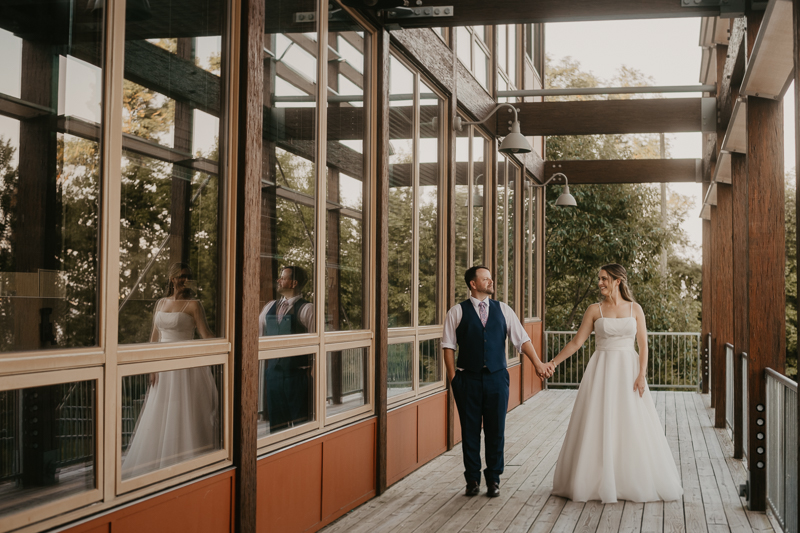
pixel 627 171
pixel 667 115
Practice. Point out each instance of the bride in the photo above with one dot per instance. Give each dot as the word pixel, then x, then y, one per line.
pixel 615 448
pixel 179 417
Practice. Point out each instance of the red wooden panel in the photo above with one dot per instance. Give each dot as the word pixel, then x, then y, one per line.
pixel 401 447
pixel 348 469
pixel 288 494
pixel 432 431
pixel 204 506
pixel 514 376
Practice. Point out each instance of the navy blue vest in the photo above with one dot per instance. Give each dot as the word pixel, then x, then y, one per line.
pixel 480 346
pixel 290 325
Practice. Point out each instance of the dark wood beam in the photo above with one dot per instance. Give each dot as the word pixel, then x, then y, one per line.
pixel 480 12
pixel 663 115
pixel 246 276
pixel 741 338
pixel 628 171
pixel 381 301
pixel 436 60
pixel 722 295
pixel 732 73
pixel 707 315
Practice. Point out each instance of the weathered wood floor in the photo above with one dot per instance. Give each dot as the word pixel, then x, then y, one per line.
pixel 431 499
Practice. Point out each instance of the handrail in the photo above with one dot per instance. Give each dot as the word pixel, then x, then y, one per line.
pixel 785 381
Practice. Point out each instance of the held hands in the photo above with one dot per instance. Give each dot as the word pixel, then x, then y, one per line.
pixel 639 385
pixel 545 370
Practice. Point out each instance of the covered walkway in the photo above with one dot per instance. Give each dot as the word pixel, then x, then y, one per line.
pixel 431 499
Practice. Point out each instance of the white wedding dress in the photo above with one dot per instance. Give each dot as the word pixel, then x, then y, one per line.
pixel 615 448
pixel 179 417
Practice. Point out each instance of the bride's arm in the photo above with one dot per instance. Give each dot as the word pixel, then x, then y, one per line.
pixel 580 337
pixel 641 340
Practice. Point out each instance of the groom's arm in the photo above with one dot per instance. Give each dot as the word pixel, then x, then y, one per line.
pixel 450 363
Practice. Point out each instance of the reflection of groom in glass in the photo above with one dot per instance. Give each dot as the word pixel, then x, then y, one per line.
pixel 286 378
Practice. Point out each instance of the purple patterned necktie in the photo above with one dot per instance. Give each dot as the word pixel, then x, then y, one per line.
pixel 484 316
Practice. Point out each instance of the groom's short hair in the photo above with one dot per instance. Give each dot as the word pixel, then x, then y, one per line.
pixel 471 274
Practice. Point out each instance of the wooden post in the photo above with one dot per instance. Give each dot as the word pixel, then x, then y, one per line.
pixel 741 337
pixel 722 295
pixel 248 196
pixel 766 237
pixel 450 250
pixel 381 320
pixel 707 300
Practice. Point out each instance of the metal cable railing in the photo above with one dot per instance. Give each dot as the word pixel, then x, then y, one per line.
pixel 782 449
pixel 673 362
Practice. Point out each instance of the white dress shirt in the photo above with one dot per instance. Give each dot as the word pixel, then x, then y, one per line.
pixel 515 330
pixel 305 314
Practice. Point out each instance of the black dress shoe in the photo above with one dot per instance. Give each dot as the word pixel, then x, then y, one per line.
pixel 493 490
pixel 473 488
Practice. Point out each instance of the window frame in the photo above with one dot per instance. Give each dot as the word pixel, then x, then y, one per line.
pixel 416 333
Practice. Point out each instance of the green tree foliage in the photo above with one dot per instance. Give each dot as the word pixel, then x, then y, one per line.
pixel 615 223
pixel 791 275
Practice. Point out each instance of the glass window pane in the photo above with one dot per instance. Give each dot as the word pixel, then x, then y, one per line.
pixel 348 126
pixel 464 46
pixel 347 380
pixel 171 223
pixel 501 289
pixel 401 189
pixel 47 444
pixel 462 204
pixel 170 417
pixel 288 181
pixel 512 55
pixel 502 36
pixel 513 176
pixel 480 155
pixel 400 368
pixel 430 362
pixel 285 393
pixel 432 115
pixel 50 123
pixel 481 69
pixel 527 237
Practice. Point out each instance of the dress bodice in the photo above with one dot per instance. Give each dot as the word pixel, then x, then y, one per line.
pixel 175 326
pixel 615 333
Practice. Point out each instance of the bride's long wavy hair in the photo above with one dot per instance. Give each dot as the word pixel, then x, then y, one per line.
pixel 618 272
pixel 174 272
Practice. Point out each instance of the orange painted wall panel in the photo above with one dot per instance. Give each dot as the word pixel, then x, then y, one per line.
pixel 531 382
pixel 416 433
pixel 401 447
pixel 348 470
pixel 514 376
pixel 432 415
pixel 289 489
pixel 203 506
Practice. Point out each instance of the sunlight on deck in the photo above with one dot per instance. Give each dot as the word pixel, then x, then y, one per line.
pixel 431 499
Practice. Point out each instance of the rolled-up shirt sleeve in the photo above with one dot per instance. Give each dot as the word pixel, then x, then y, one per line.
pixel 515 330
pixel 451 322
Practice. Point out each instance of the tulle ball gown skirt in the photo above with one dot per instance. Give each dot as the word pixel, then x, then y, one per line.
pixel 615 448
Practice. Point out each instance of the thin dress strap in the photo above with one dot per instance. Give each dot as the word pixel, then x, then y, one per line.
pixel 631 309
pixel 600 306
pixel 185 305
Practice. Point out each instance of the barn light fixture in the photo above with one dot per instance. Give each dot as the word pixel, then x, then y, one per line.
pixel 514 142
pixel 566 199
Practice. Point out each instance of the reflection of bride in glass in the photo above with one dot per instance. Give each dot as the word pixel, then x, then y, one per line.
pixel 179 417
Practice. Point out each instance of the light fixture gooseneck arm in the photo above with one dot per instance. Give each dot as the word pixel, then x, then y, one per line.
pixel 554 176
pixel 458 124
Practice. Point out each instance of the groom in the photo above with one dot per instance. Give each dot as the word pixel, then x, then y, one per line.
pixel 479 380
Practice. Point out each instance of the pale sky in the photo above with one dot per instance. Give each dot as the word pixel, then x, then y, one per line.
pixel 668 51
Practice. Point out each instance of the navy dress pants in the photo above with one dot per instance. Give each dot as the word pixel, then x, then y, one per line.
pixel 482 400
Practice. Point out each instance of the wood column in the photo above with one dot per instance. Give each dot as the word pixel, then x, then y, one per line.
pixel 707 301
pixel 450 249
pixel 722 295
pixel 381 319
pixel 766 259
pixel 741 338
pixel 248 196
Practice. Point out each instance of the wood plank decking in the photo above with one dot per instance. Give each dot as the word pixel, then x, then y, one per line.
pixel 431 499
